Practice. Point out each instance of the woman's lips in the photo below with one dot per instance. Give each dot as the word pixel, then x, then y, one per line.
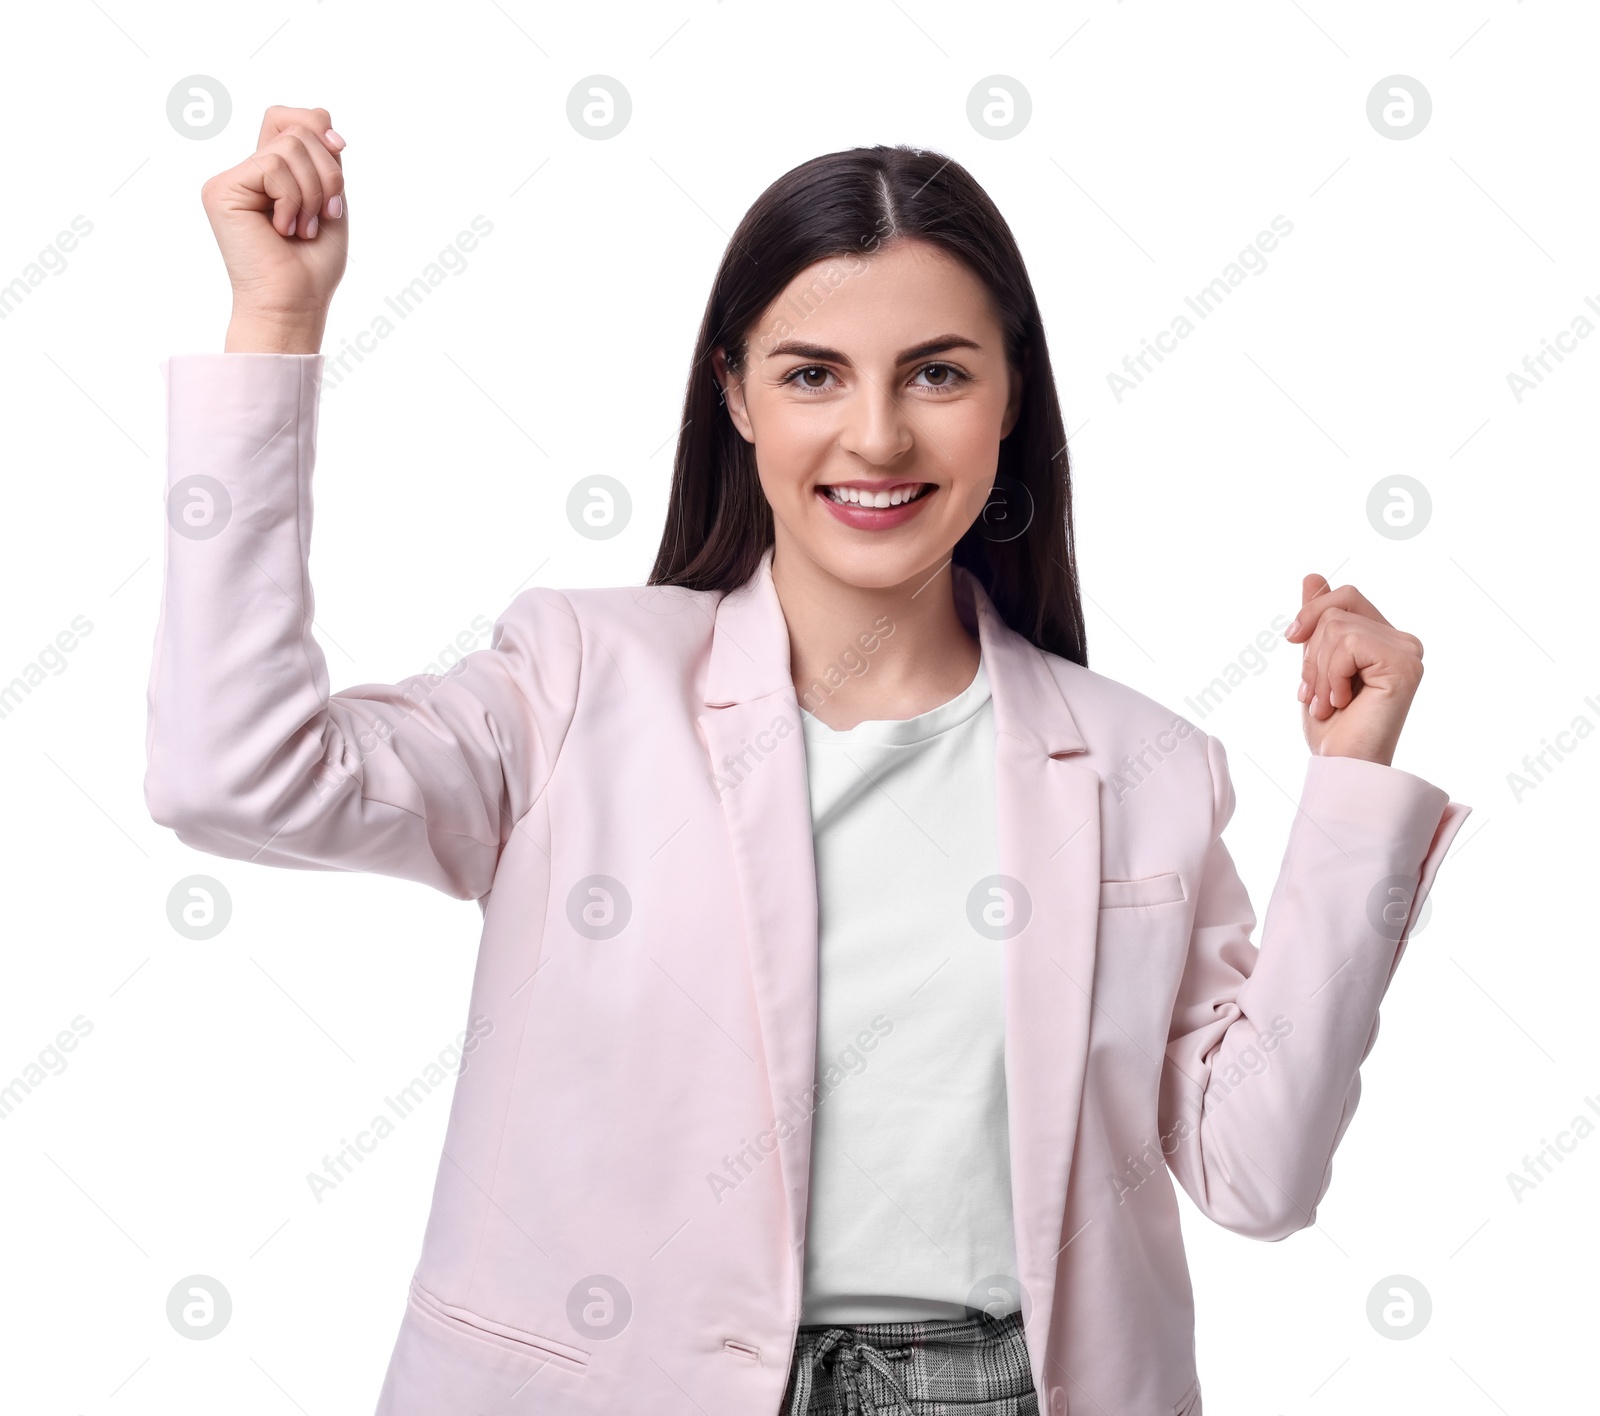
pixel 874 518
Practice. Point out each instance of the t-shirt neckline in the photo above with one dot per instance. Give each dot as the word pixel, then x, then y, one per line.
pixel 901 732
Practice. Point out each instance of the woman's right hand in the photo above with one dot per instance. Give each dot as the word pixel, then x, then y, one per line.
pixel 281 222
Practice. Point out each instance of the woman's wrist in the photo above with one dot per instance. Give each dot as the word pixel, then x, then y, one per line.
pixel 273 332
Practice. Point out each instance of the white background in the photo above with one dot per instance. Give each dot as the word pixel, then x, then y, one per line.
pixel 1163 138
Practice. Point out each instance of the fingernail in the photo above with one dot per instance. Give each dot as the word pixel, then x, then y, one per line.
pixel 1314 703
pixel 292 221
pixel 1293 626
pixel 1304 689
pixel 311 226
pixel 334 138
pixel 335 207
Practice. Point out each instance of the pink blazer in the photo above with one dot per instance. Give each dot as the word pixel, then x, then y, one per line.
pixel 619 781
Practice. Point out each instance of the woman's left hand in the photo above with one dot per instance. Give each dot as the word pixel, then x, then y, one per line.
pixel 1358 676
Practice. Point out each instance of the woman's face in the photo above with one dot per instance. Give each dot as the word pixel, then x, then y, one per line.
pixel 882 377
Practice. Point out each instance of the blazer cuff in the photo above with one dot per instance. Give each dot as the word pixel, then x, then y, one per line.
pixel 1353 795
pixel 1382 833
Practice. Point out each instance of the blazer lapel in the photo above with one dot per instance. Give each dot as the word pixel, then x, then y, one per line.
pixel 758 764
pixel 1048 829
pixel 1047 810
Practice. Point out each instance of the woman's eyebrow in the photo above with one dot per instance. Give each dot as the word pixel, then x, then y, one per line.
pixel 833 356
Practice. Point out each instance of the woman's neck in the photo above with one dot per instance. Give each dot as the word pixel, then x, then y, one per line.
pixel 866 652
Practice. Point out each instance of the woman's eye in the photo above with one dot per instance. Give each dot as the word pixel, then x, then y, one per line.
pixel 949 376
pixel 799 380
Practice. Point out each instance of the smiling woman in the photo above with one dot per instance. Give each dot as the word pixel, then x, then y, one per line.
pixel 841 760
pixel 871 402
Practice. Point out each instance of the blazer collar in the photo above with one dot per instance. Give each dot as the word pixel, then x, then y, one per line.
pixel 750 659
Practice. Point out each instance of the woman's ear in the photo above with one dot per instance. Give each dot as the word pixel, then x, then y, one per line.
pixel 730 388
pixel 1013 399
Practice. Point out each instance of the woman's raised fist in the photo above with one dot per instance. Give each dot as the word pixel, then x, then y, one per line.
pixel 281 221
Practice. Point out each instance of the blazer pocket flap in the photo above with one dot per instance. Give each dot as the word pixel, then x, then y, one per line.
pixel 535 1344
pixel 1149 890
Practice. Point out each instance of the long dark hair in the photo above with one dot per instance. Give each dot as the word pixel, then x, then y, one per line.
pixel 851 203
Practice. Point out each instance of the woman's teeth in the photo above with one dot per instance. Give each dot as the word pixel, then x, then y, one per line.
pixel 857 497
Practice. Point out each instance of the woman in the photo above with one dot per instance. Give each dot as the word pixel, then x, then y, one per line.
pixel 858 968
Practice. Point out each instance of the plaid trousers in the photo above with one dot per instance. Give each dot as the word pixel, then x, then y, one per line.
pixel 973 1366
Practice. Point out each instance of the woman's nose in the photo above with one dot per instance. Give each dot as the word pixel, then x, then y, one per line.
pixel 877 425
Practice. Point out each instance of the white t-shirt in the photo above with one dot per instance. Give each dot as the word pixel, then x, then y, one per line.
pixel 910 1212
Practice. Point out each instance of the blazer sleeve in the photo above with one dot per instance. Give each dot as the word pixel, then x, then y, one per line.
pixel 1261 1071
pixel 248 754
